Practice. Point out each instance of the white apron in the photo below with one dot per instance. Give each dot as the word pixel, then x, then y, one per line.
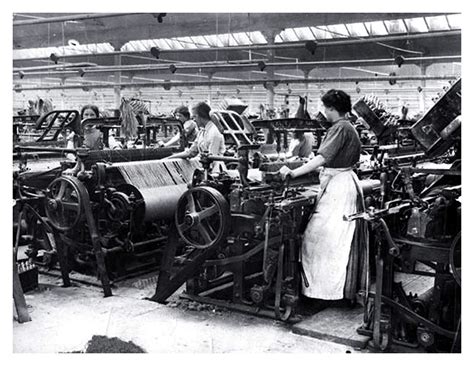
pixel 327 238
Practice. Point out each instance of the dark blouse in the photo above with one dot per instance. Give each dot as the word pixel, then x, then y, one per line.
pixel 341 146
pixel 303 149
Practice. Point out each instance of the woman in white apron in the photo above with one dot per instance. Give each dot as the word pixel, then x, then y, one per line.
pixel 332 251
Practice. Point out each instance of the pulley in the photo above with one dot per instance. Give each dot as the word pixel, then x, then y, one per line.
pixel 202 217
pixel 119 207
pixel 64 200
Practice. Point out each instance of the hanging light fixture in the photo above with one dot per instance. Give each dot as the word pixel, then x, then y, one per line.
pixel 399 60
pixel 53 57
pixel 311 46
pixel 392 81
pixel 159 17
pixel 155 51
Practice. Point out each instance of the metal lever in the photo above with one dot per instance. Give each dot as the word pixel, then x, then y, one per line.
pixel 286 185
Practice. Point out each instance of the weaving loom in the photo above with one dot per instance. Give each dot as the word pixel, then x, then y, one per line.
pixel 109 220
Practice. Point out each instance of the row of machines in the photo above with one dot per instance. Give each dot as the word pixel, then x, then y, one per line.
pixel 242 236
pixel 234 237
pixel 104 212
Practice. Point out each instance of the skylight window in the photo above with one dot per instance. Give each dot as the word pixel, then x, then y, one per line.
pixel 289 35
pixel 197 41
pixel 338 30
pixel 231 40
pixel 214 41
pixel 175 44
pixel 357 30
pixel 224 39
pixel 321 32
pixel 376 28
pixel 188 42
pixel 454 21
pixel 416 25
pixel 438 23
pixel 64 50
pixel 278 39
pixel 395 26
pixel 163 44
pixel 257 37
pixel 242 38
pixel 304 33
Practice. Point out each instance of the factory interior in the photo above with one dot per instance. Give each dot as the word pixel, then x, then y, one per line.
pixel 215 182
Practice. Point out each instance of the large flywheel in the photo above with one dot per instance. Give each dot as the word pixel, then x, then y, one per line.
pixel 202 217
pixel 64 201
pixel 455 258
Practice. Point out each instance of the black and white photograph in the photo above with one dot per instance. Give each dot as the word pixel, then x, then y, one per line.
pixel 235 181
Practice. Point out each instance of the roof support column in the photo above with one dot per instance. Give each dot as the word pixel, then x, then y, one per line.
pixel 209 76
pixel 306 85
pixel 117 78
pixel 421 94
pixel 270 37
pixel 117 75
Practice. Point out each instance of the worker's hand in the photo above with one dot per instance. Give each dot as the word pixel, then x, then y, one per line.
pixel 161 143
pixel 286 172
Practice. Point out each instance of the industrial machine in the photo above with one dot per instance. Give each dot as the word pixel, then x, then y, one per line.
pixel 105 212
pixel 22 125
pixel 102 213
pixel 279 130
pixel 416 225
pixel 243 241
pixel 46 130
pixel 242 236
pixel 422 228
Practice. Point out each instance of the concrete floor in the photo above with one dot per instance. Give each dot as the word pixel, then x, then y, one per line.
pixel 65 319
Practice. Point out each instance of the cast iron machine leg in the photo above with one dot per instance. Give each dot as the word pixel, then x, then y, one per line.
pixel 386 251
pixel 66 200
pixel 381 321
pixel 99 254
pixel 202 222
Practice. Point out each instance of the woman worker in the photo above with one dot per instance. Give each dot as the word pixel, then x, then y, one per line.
pixel 190 128
pixel 92 136
pixel 209 139
pixel 331 258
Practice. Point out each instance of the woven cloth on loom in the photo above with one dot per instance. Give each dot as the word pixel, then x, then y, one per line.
pixel 161 183
pixel 150 174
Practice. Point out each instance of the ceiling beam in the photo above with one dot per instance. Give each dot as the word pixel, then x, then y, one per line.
pixel 53 67
pixel 276 46
pixel 65 18
pixel 212 68
pixel 167 85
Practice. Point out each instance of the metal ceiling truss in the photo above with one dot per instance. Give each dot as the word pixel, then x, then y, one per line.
pixel 310 45
pixel 267 83
pixel 223 67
